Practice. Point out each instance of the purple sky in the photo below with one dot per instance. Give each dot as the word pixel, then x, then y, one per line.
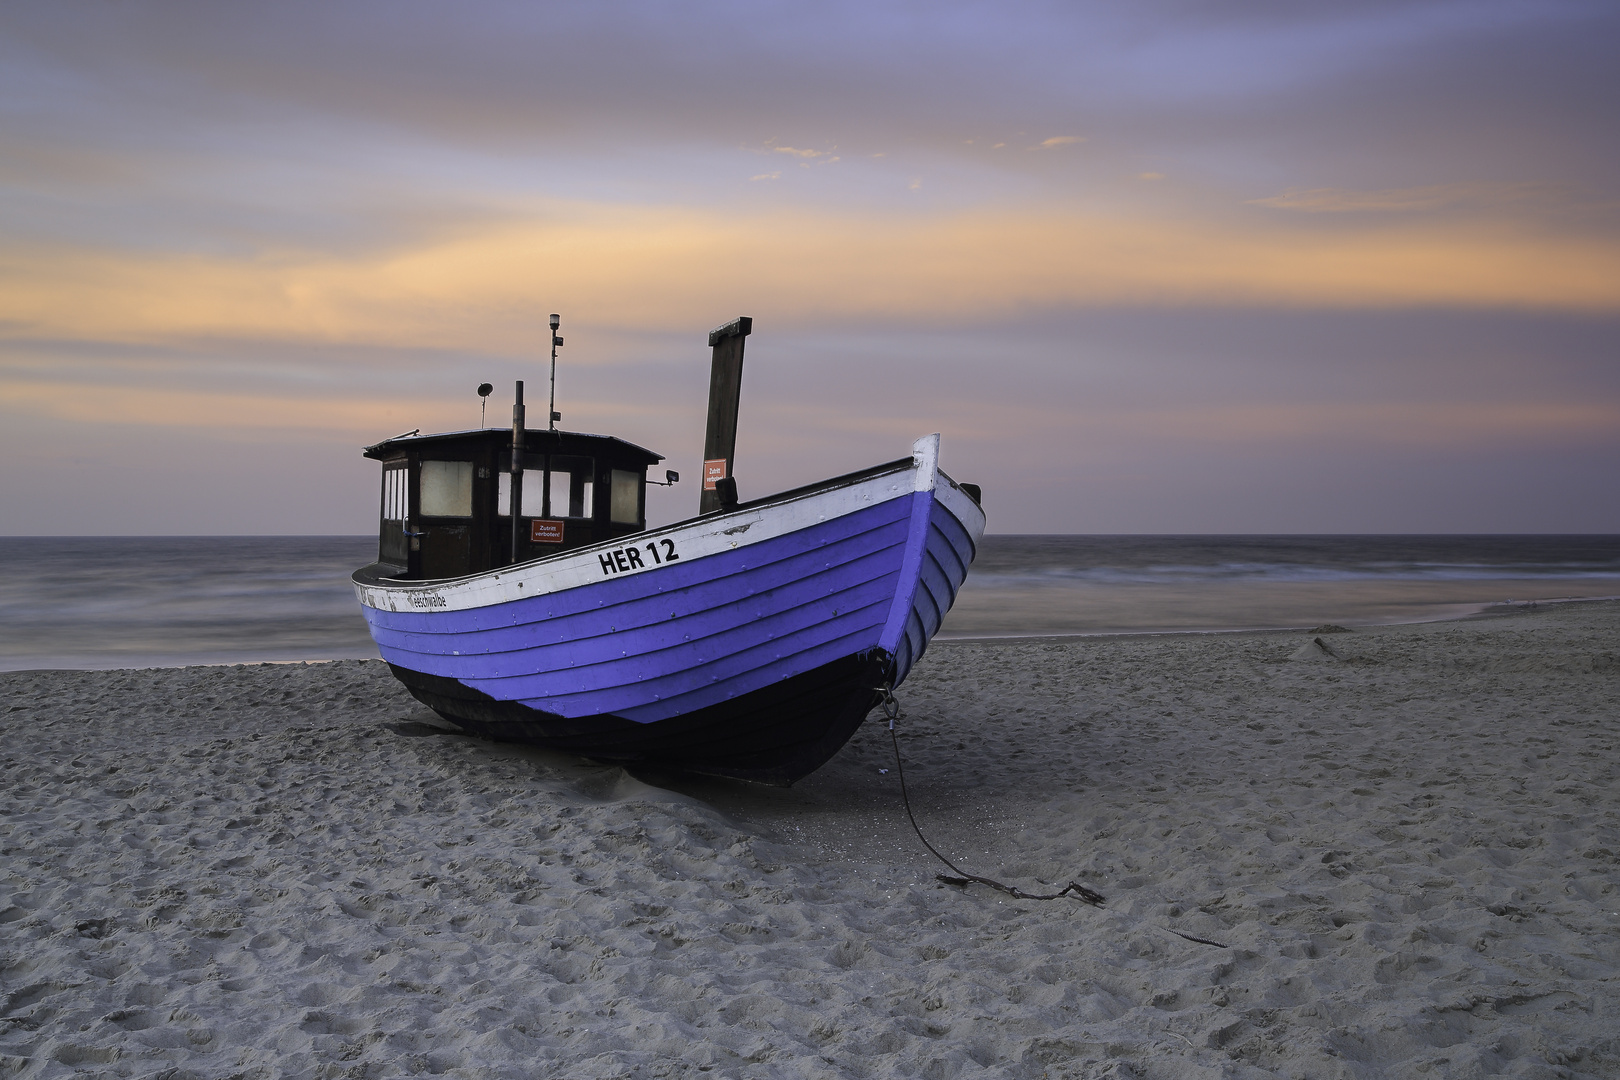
pixel 1151 267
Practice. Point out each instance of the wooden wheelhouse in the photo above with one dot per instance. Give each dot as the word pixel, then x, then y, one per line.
pixel 445 506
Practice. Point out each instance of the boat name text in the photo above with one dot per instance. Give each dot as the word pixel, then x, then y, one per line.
pixel 424 600
pixel 625 559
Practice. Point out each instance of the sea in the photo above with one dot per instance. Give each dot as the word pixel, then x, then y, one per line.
pixel 111 602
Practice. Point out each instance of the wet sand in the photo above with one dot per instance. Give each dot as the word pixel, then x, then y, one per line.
pixel 1408 843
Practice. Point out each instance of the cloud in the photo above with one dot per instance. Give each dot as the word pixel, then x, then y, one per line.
pixel 1382 423
pixel 170 406
pixel 798 153
pixel 652 268
pixel 1059 140
pixel 1407 200
pixel 174 406
pixel 1150 176
pixel 766 176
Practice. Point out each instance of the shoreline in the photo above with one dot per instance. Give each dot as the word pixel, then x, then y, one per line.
pixel 1491 609
pixel 1482 611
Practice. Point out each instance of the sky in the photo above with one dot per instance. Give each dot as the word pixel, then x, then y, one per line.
pixel 1150 267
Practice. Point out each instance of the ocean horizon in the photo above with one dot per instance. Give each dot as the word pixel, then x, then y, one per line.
pixel 163 601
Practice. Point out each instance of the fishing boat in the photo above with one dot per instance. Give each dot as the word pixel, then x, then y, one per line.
pixel 519 594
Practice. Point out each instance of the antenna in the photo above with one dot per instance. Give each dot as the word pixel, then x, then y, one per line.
pixel 555 341
pixel 484 390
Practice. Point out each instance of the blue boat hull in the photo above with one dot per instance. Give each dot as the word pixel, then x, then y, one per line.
pixel 750 643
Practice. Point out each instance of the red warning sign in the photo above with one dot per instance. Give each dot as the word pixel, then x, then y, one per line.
pixel 713 471
pixel 542 531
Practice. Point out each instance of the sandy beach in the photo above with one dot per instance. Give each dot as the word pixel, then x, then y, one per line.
pixel 1405 842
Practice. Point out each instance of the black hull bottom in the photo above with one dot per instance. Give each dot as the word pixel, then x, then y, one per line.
pixel 774 735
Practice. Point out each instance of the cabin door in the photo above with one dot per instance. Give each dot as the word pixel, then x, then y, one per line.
pixel 391 545
pixel 446 551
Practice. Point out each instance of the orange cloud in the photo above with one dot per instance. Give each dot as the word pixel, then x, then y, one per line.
pixel 362 419
pixel 175 407
pixel 481 286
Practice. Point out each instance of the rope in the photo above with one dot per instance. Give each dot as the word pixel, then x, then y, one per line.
pixel 1200 940
pixel 891 709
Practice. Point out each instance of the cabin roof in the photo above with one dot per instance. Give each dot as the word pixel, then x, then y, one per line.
pixel 533 439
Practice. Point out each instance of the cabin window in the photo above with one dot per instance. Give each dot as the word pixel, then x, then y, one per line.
pixel 572 487
pixel 446 489
pixel 626 501
pixel 393 494
pixel 534 488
